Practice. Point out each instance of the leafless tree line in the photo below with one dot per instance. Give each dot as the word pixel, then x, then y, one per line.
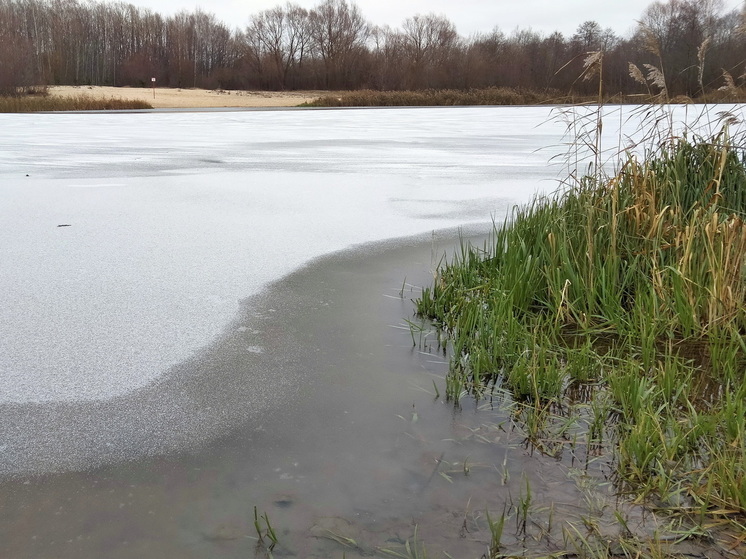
pixel 333 46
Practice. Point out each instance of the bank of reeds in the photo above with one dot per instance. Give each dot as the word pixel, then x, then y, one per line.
pixel 620 305
pixel 438 97
pixel 495 96
pixel 42 103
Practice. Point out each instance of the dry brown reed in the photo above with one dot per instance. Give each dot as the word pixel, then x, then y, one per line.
pixel 505 96
pixel 45 103
pixel 440 97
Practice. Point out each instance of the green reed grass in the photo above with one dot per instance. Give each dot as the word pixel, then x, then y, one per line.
pixel 496 533
pixel 631 289
pixel 267 531
pixel 46 103
pixel 413 549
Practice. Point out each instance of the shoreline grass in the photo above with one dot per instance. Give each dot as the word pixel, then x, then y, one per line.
pixel 37 99
pixel 618 306
pixel 494 96
pixel 434 97
pixel 46 103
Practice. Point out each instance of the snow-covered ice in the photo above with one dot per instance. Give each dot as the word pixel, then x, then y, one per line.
pixel 171 218
pixel 128 239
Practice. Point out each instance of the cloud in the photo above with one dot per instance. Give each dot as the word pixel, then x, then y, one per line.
pixel 469 16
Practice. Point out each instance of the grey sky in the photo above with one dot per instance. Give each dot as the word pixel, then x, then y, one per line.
pixel 469 16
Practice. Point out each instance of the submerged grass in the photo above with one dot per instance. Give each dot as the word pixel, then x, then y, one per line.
pixel 615 314
pixel 40 103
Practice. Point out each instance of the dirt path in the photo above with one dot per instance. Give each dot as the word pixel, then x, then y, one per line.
pixel 167 98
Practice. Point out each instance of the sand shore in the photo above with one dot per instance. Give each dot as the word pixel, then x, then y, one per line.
pixel 168 98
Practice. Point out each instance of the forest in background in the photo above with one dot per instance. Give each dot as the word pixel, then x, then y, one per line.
pixel 682 47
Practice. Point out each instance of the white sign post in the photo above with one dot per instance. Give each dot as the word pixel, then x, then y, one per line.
pixel 153 82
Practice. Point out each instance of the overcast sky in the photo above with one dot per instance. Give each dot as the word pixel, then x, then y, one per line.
pixel 470 16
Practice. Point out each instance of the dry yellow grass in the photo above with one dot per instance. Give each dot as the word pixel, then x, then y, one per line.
pixel 167 98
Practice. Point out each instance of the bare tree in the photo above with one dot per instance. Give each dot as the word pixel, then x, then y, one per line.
pixel 588 36
pixel 428 42
pixel 16 64
pixel 388 71
pixel 298 40
pixel 675 31
pixel 339 34
pixel 281 35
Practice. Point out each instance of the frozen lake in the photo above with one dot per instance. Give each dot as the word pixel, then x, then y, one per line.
pixel 128 240
pixel 132 242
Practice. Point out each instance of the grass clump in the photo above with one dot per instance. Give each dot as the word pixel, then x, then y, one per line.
pixel 42 103
pixel 630 291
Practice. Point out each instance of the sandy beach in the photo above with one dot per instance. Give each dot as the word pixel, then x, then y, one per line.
pixel 169 98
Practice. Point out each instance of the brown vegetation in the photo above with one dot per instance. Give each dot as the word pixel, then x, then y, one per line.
pixel 697 49
pixel 493 96
pixel 37 103
pixel 433 97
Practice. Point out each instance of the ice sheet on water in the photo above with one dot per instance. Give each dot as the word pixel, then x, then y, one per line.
pixel 173 218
